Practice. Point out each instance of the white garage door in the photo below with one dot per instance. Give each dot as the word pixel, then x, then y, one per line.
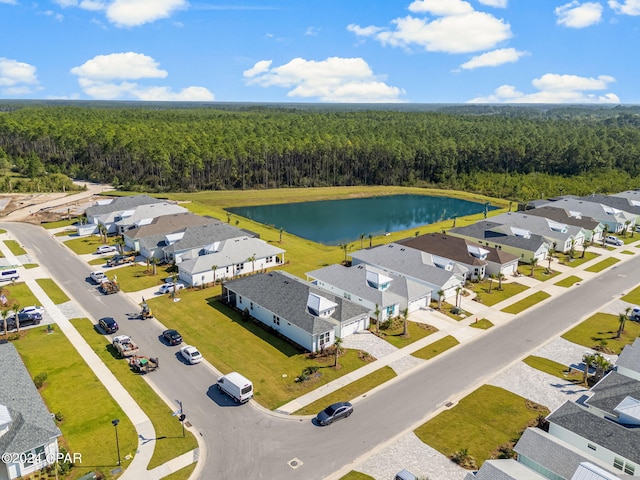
pixel 417 304
pixel 353 327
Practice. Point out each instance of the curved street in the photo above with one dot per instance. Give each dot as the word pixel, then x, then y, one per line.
pixel 249 442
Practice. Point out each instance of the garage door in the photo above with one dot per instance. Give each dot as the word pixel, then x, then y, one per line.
pixel 417 304
pixel 353 327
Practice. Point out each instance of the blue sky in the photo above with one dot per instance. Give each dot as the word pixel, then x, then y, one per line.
pixel 421 51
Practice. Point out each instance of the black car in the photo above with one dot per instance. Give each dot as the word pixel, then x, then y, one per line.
pixel 25 319
pixel 172 337
pixel 334 412
pixel 108 325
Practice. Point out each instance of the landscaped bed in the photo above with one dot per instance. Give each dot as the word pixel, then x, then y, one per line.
pixel 496 295
pixel 416 332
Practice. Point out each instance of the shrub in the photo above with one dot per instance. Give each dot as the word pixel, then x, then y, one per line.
pixel 59 416
pixel 40 380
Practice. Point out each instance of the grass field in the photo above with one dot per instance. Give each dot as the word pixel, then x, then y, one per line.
pixel 134 277
pixel 600 330
pixel 436 348
pixel 182 474
pixel 578 259
pixel 85 245
pixel 553 368
pixel 350 391
pixel 416 332
pixel 509 289
pixel 480 422
pixel 567 282
pixel 170 443
pixel 606 263
pixel 353 475
pixel 633 296
pixel 73 390
pixel 15 247
pixel 483 324
pixel 525 303
pixel 52 290
pixel 18 293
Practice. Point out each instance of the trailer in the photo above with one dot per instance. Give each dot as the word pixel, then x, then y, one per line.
pixel 141 364
pixel 125 346
pixel 109 286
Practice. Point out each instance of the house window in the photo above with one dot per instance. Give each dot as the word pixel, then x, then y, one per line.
pixel 390 311
pixel 323 339
pixel 276 320
pixel 251 304
pixel 347 296
pixel 618 463
pixel 591 446
pixel 240 299
pixel 629 469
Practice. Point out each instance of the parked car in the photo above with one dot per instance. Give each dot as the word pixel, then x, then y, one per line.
pixel 635 314
pixel 334 412
pixel 108 325
pixel 191 354
pixel 106 249
pixel 121 260
pixel 25 319
pixel 32 309
pixel 405 475
pixel 168 287
pixel 613 240
pixel 172 337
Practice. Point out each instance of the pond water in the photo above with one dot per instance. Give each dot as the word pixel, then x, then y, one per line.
pixel 333 222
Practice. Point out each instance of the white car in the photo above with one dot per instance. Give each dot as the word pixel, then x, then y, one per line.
pixel 32 309
pixel 106 249
pixel 191 354
pixel 613 241
pixel 168 287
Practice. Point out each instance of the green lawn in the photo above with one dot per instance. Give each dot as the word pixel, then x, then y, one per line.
pixel 579 260
pixel 15 247
pixel 540 272
pixel 134 277
pixel 598 267
pixel 436 348
pixel 526 302
pixel 554 368
pixel 480 422
pixel 73 390
pixel 182 474
pixel 600 330
pixel 168 429
pixel 353 475
pixel 27 266
pixel 567 282
pixel 627 252
pixel 496 296
pixel 350 391
pixel 19 293
pixel 85 245
pixel 483 324
pixel 59 223
pixel 52 290
pixel 633 296
pixel 220 333
pixel 416 332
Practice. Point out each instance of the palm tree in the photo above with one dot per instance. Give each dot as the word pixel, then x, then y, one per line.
pixel 154 262
pixel 588 360
pixel 345 247
pixel 370 240
pixel 622 318
pixel 500 276
pixel 16 309
pixel 534 262
pixel 405 321
pixel 214 268
pixel 604 234
pixel 626 228
pixel 337 343
pixel 5 312
pixel 228 217
pixel 572 248
pixel 440 295
pixel 491 277
pixel 120 243
pixel 601 365
pixel 103 233
pixel 585 245
pixel 458 295
pixel 377 312
pixel 549 258
pixel 362 235
pixel 281 230
pixel 252 259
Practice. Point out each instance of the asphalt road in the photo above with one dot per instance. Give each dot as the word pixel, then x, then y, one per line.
pixel 247 442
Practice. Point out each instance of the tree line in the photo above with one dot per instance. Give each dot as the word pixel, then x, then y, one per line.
pixel 516 153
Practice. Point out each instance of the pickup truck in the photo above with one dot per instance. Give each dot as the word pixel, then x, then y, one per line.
pixel 121 260
pixel 125 346
pixel 97 276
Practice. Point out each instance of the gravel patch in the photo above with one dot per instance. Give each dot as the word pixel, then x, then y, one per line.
pixel 406 363
pixel 409 452
pixel 616 307
pixel 70 310
pixel 370 343
pixel 537 386
pixel 566 352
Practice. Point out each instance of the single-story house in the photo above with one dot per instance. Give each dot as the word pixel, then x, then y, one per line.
pixel 103 208
pixel 307 315
pixel 199 239
pixel 613 219
pixel 373 288
pixel 228 259
pixel 519 242
pixel 625 201
pixel 149 238
pixel 593 230
pixel 27 428
pixel 481 261
pixel 415 265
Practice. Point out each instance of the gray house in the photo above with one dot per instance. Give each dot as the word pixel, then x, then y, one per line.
pixel 26 426
pixel 614 219
pixel 415 265
pixel 592 228
pixel 370 287
pixel 104 211
pixel 307 315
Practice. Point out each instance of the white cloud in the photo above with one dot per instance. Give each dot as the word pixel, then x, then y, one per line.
pixel 554 88
pixel 129 13
pixel 493 58
pixel 312 31
pixel 107 77
pixel 626 7
pixel 576 15
pixel 457 28
pixel 332 80
pixel 494 3
pixel 9 2
pixel 17 78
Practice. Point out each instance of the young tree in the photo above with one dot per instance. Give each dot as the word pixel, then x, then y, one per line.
pixel 252 259
pixel 534 262
pixel 377 312
pixel 405 322
pixel 214 268
pixel 362 235
pixel 281 230
pixel 440 296
pixel 491 277
pixel 622 318
pixel 120 243
pixel 370 240
pixel 588 360
pixel 337 343
pixel 500 276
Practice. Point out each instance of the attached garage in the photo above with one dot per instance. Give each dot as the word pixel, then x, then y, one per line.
pixel 418 303
pixel 353 327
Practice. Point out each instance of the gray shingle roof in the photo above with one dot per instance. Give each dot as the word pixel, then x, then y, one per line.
pixel 405 260
pixel 202 235
pixel 537 225
pixel 286 296
pixel 354 280
pixel 621 203
pixel 552 453
pixel 493 232
pixel 562 215
pixel 32 424
pixel 121 203
pixel 630 356
pixel 611 390
pixel 160 226
pixel 606 433
pixel 504 470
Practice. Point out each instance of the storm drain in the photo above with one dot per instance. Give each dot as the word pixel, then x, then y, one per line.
pixel 295 463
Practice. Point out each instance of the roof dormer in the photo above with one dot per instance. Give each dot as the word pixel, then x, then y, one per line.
pixel 378 280
pixel 320 306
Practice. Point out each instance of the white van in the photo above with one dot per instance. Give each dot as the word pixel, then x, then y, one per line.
pixel 10 275
pixel 236 386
